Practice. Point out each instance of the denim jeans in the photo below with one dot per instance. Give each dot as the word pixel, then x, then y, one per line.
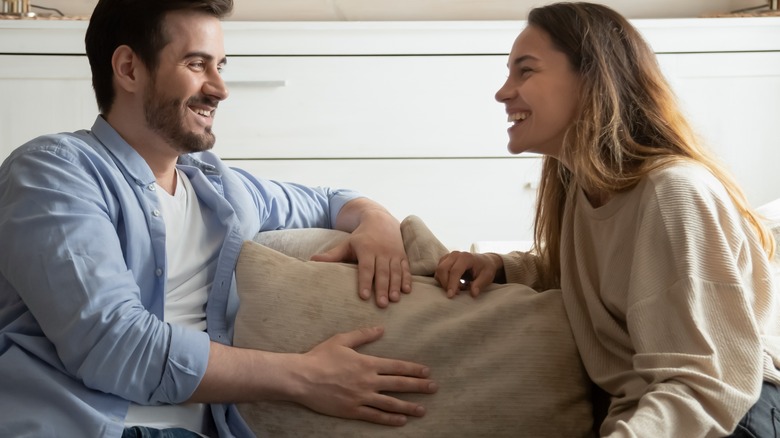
pixel 147 432
pixel 763 419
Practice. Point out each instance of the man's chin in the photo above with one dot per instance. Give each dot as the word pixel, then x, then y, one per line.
pixel 198 143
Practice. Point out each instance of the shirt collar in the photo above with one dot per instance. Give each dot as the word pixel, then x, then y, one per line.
pixel 126 157
pixel 132 163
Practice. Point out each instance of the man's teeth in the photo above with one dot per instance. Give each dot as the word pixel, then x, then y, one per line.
pixel 203 112
pixel 517 117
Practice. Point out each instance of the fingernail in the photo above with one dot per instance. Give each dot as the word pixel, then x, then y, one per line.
pixel 433 387
pixel 395 295
pixel 419 411
pixel 382 301
pixel 365 294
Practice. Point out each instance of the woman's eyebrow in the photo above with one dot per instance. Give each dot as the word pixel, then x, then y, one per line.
pixel 523 58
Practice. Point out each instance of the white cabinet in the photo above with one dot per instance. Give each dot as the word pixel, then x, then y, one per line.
pixel 404 111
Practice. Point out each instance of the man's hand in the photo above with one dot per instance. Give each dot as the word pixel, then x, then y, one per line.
pixel 377 246
pixel 341 382
pixel 332 379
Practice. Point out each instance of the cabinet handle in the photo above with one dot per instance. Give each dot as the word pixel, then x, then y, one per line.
pixel 260 84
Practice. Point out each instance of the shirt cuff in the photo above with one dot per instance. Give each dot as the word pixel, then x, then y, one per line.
pixel 186 365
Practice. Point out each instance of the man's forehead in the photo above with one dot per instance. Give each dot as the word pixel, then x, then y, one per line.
pixel 194 32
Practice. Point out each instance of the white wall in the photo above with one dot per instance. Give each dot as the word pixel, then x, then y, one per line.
pixel 357 10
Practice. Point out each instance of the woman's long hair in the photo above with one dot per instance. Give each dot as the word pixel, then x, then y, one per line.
pixel 629 122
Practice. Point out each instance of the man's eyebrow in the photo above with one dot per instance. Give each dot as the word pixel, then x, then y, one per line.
pixel 205 56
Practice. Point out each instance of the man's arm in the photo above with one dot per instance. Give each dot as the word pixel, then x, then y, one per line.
pixel 332 379
pixel 375 243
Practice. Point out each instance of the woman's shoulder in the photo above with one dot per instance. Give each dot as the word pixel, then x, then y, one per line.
pixel 688 194
pixel 683 180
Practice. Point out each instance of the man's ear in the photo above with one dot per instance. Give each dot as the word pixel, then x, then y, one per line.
pixel 129 71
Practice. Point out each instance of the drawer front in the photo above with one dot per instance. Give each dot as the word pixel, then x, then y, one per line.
pixel 733 102
pixel 362 107
pixel 461 200
pixel 43 95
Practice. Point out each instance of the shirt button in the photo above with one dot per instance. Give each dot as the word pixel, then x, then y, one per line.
pixel 158 272
pixel 156 213
pixel 151 187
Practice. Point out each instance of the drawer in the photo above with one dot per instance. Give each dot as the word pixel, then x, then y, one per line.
pixel 362 107
pixel 43 95
pixel 732 101
pixel 463 200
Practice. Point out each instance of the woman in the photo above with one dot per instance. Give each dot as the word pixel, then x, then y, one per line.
pixel 665 268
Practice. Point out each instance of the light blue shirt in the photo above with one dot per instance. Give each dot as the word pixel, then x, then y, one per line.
pixel 82 280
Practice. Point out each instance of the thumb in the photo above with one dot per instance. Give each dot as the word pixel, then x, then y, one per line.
pixel 339 253
pixel 361 336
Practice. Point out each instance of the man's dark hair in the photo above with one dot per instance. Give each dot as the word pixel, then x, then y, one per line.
pixel 139 25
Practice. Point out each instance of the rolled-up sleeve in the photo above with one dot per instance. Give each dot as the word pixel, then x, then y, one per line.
pixel 291 205
pixel 65 251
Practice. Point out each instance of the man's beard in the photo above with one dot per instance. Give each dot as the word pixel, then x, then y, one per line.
pixel 166 118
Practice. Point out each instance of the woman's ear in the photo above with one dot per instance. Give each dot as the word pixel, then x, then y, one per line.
pixel 128 69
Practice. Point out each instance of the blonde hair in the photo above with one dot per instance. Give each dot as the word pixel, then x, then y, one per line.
pixel 629 122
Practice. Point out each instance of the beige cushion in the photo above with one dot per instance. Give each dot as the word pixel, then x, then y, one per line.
pixel 506 362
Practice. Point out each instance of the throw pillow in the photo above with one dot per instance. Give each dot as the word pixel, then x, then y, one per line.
pixel 506 363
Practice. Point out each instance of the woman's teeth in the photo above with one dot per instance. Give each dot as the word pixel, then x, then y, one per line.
pixel 517 117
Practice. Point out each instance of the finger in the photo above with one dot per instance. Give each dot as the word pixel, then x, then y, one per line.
pixel 366 268
pixel 482 280
pixel 442 273
pixel 396 277
pixel 453 282
pixel 406 384
pixel 396 367
pixel 460 266
pixel 381 279
pixel 394 405
pixel 358 337
pixel 373 415
pixel 406 276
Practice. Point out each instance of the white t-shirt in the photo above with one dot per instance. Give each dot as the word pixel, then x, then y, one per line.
pixel 192 243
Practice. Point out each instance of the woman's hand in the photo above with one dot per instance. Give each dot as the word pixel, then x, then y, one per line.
pixel 338 381
pixel 461 270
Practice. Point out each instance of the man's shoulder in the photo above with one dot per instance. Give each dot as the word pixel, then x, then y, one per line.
pixel 79 148
pixel 59 143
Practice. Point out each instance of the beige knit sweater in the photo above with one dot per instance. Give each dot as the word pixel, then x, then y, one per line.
pixel 672 304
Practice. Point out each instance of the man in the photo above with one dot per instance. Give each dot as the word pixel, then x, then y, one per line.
pixel 119 243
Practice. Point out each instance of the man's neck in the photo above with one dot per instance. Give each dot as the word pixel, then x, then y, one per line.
pixel 158 154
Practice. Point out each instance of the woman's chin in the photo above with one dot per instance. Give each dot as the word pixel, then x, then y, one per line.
pixel 516 148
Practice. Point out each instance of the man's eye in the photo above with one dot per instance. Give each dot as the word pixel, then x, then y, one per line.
pixel 197 65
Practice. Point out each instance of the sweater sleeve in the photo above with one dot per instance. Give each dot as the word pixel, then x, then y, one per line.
pixel 523 268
